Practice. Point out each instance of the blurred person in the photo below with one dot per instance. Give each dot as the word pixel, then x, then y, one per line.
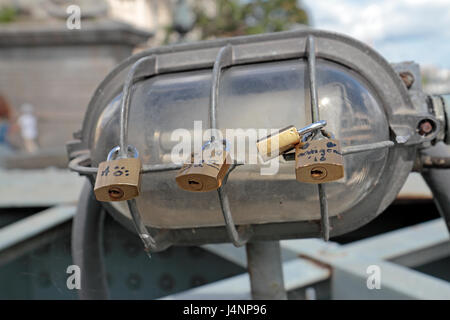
pixel 5 120
pixel 5 128
pixel 28 127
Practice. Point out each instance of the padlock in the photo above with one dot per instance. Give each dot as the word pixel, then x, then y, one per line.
pixel 275 144
pixel 285 140
pixel 209 172
pixel 118 180
pixel 319 161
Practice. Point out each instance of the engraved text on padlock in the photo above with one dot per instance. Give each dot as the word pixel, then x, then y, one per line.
pixel 319 161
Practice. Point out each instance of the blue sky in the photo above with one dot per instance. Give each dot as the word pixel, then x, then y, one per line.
pixel 400 30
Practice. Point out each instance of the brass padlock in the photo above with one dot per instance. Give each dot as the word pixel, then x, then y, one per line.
pixel 208 173
pixel 274 145
pixel 319 161
pixel 285 140
pixel 118 180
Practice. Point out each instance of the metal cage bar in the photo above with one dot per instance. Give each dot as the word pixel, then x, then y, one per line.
pixel 126 98
pixel 224 59
pixel 141 229
pixel 76 164
pixel 315 116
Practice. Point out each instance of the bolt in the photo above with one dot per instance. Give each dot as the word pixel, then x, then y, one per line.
pixel 166 282
pixel 425 127
pixel 134 281
pixel 408 78
pixel 115 193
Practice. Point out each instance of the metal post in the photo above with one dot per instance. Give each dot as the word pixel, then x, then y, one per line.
pixel 439 182
pixel 265 270
pixel 87 251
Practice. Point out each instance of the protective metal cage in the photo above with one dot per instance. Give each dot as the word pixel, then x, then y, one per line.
pixel 401 113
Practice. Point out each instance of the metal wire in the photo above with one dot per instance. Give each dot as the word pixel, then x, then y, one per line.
pixel 224 58
pixel 221 61
pixel 367 147
pixel 352 149
pixel 147 239
pixel 125 103
pixel 141 229
pixel 324 219
pixel 311 54
pixel 75 164
pixel 237 239
pixel 311 48
pixel 160 167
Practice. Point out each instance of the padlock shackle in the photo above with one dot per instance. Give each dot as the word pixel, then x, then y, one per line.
pixel 116 150
pixel 312 127
pixel 224 141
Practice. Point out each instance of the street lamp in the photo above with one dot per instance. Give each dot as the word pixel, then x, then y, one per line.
pixel 263 81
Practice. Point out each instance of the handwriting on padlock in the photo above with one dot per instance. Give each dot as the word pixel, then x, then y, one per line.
pixel 118 180
pixel 319 161
pixel 319 155
pixel 207 174
pixel 213 163
pixel 117 171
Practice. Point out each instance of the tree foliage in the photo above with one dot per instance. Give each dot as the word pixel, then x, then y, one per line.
pixel 242 17
pixel 236 17
pixel 7 14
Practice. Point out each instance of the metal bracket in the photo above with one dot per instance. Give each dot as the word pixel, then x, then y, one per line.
pixel 441 108
pixel 408 134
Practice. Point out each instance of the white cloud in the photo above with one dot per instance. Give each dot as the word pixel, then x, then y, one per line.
pixel 400 30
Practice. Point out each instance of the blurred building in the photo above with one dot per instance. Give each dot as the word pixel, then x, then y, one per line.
pixel 56 69
pixel 435 80
pixel 149 15
pixel 44 63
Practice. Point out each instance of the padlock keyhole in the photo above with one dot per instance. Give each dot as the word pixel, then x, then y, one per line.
pixel 195 185
pixel 115 193
pixel 318 173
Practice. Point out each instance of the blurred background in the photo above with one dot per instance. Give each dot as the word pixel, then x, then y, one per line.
pixel 50 66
